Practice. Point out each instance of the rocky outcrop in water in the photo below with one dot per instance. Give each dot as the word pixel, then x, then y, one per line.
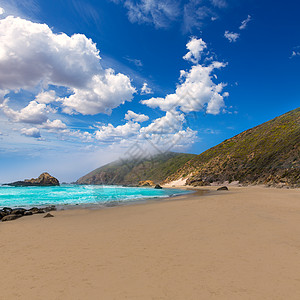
pixel 44 179
pixel 158 187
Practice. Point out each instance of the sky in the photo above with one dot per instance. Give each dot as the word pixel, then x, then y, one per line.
pixel 83 83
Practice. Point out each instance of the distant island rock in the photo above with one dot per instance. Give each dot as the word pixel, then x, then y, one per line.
pixel 44 179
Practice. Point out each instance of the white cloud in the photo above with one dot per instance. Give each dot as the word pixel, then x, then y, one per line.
pixel 157 12
pixel 245 23
pixel 195 47
pixel 101 95
pixel 162 134
pixel 162 13
pixel 194 15
pixel 145 90
pixel 2 11
pixel 168 124
pixel 46 97
pixel 110 133
pixel 54 125
pixel 219 3
pixel 31 54
pixel 231 36
pixel 132 116
pixel 295 53
pixel 33 113
pixel 31 132
pixel 195 93
pixel 135 61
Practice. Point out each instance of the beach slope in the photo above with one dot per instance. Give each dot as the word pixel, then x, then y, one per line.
pixel 240 244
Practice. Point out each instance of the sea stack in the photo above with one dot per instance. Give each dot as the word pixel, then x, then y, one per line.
pixel 45 179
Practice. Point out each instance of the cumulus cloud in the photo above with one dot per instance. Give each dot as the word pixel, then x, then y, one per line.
pixel 54 125
pixel 2 11
pixel 165 133
pixel 195 93
pixel 33 113
pixel 31 54
pixel 231 36
pixel 31 132
pixel 195 47
pixel 109 133
pixel 46 97
pixel 132 116
pixel 101 95
pixel 170 123
pixel 145 89
pixel 245 23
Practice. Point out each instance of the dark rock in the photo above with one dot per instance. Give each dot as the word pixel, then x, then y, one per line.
pixel 222 188
pixel 7 210
pixel 36 210
pixel 158 187
pixel 11 217
pixel 48 215
pixel 2 214
pixel 49 208
pixel 18 211
pixel 44 179
pixel 28 213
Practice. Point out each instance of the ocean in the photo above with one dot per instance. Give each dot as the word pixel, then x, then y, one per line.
pixel 104 195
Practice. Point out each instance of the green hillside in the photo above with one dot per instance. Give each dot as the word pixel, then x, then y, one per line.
pixel 130 172
pixel 266 154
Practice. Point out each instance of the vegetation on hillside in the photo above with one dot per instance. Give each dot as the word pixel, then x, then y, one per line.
pixel 131 171
pixel 266 154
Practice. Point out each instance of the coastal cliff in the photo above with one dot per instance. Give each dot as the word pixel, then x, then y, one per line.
pixel 45 179
pixel 131 171
pixel 266 154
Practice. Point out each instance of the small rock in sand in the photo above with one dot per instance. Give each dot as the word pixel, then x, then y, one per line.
pixel 222 188
pixel 48 215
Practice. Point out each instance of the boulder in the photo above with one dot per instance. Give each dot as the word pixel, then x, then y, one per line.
pixel 18 211
pixel 7 210
pixel 28 213
pixel 2 214
pixel 222 188
pixel 48 215
pixel 36 210
pixel 158 187
pixel 11 217
pixel 49 208
pixel 44 179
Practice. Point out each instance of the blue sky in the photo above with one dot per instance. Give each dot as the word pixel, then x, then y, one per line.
pixel 85 82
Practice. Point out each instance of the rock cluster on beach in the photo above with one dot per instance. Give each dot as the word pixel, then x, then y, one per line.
pixel 9 214
pixel 45 179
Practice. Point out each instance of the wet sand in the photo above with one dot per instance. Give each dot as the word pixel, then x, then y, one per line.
pixel 240 244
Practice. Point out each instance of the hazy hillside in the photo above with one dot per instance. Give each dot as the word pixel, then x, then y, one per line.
pixel 266 154
pixel 156 168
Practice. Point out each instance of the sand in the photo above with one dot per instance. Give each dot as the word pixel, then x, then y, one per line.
pixel 241 244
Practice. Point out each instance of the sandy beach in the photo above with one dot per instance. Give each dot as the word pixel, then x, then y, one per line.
pixel 240 244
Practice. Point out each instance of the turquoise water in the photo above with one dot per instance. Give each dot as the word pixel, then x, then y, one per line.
pixel 78 194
